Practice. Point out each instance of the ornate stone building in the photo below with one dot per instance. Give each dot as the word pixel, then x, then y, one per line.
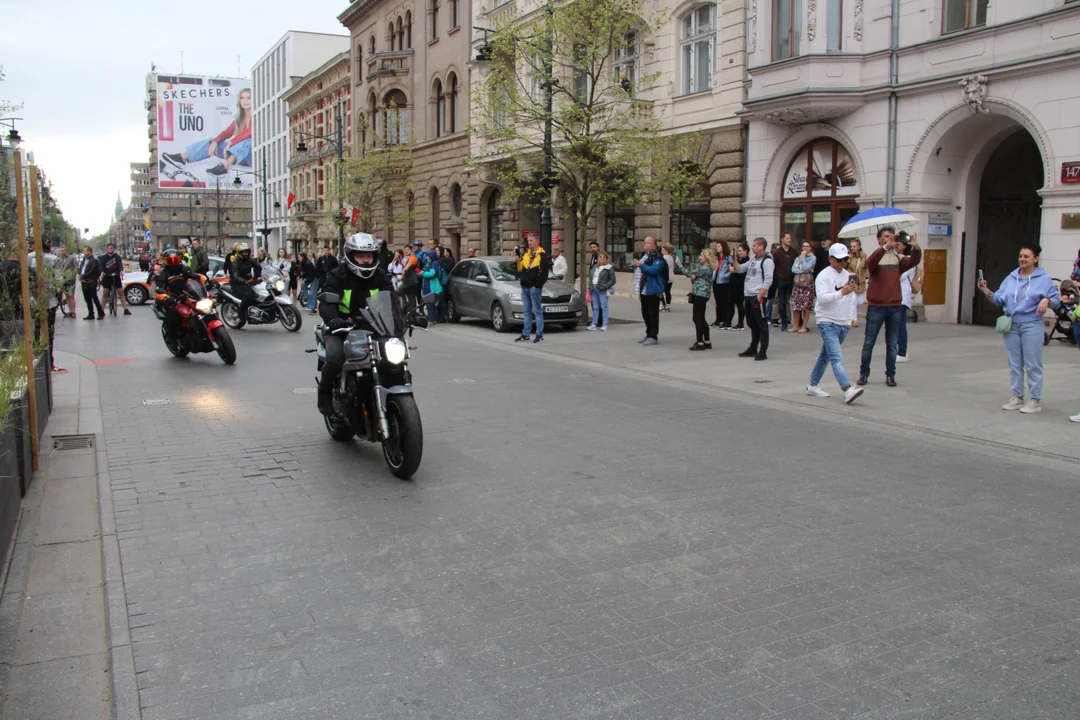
pixel 962 112
pixel 313 110
pixel 698 55
pixel 409 84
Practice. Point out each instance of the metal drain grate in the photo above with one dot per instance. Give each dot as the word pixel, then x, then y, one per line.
pixel 158 401
pixel 305 390
pixel 73 442
pixel 762 382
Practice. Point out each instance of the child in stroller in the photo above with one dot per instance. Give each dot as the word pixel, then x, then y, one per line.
pixel 1064 323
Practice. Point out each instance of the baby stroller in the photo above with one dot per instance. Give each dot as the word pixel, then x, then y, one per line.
pixel 1064 324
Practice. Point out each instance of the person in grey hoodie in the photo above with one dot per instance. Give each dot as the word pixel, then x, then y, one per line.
pixel 1025 295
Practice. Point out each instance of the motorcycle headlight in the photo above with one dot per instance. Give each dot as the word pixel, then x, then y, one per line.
pixel 280 286
pixel 205 305
pixel 394 351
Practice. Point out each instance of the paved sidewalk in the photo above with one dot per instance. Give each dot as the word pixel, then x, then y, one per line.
pixel 63 585
pixel 955 384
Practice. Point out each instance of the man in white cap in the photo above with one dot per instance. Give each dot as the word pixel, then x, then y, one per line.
pixel 835 309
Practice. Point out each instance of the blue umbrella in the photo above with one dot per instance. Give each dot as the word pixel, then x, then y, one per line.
pixel 870 221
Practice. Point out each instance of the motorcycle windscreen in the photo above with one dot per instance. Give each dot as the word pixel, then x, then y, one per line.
pixel 194 289
pixel 385 313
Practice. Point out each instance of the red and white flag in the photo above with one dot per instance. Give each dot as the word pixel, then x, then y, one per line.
pixel 290 201
pixel 346 210
pixel 355 216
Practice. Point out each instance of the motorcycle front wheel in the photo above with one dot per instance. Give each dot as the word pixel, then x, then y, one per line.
pixel 173 344
pixel 225 348
pixel 230 314
pixel 405 446
pixel 290 318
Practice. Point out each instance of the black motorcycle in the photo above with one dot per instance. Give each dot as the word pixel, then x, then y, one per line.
pixel 374 397
pixel 199 330
pixel 272 304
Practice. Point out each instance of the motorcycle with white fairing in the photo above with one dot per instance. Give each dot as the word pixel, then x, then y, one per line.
pixel 272 303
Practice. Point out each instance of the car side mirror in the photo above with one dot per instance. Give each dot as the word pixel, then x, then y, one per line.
pixel 482 279
pixel 331 298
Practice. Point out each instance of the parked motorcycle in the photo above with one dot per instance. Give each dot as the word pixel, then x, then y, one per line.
pixel 200 330
pixel 374 396
pixel 272 304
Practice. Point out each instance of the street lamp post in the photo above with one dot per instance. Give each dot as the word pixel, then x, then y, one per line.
pixel 266 193
pixel 339 144
pixel 545 181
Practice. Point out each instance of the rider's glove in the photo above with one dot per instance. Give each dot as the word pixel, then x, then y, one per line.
pixel 337 324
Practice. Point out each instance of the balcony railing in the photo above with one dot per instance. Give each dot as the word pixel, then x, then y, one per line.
pixel 389 64
pixel 308 207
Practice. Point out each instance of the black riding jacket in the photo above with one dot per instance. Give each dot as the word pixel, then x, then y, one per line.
pixel 243 270
pixel 353 290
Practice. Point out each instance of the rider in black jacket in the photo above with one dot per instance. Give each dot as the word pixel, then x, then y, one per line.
pixel 243 273
pixel 353 281
pixel 170 281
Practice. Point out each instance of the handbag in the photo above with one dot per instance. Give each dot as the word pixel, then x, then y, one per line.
pixel 803 280
pixel 1003 324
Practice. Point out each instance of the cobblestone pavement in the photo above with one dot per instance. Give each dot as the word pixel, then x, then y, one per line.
pixel 580 542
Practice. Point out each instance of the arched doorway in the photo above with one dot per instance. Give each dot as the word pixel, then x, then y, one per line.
pixel 1009 213
pixel 819 192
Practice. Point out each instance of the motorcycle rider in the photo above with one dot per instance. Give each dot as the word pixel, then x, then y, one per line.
pixel 170 280
pixel 353 281
pixel 243 273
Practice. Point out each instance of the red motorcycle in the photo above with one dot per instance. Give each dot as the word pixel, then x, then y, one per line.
pixel 197 328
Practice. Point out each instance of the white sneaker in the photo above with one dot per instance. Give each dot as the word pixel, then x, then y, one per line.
pixel 591 326
pixel 1032 406
pixel 603 328
pixel 852 393
pixel 901 358
pixel 1075 418
pixel 1014 403
pixel 816 391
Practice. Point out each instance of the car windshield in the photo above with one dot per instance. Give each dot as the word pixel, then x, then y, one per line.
pixel 504 271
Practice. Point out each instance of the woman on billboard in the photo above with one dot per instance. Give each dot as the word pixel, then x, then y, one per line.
pixel 233 145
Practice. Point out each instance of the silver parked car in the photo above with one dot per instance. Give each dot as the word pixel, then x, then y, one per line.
pixel 488 288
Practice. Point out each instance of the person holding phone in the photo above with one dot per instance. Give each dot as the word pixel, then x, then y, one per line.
pixel 835 305
pixel 1025 295
pixel 885 300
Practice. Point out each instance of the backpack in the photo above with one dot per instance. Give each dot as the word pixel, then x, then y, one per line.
pixel 441 275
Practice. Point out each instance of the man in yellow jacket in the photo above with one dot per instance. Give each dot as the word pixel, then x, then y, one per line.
pixel 533 266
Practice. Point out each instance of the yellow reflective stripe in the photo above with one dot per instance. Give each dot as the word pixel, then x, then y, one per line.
pixel 344 307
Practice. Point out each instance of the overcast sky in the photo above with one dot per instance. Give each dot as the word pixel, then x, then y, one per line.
pixel 79 68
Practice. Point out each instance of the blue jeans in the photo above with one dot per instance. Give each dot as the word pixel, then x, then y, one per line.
pixel 1024 346
pixel 530 298
pixel 901 336
pixel 599 306
pixel 876 316
pixel 312 293
pixel 832 337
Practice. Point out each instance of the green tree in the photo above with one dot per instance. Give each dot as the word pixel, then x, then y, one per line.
pixel 366 182
pixel 606 133
pixel 8 224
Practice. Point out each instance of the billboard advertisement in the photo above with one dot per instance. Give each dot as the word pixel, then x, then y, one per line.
pixel 204 132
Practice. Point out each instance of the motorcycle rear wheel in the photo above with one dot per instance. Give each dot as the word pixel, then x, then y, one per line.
pixel 225 348
pixel 174 345
pixel 405 446
pixel 338 428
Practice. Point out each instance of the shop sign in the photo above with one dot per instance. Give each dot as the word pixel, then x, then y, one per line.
pixel 1070 172
pixel 822 216
pixel 790 218
pixel 940 225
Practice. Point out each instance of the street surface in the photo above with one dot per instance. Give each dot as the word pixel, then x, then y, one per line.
pixel 598 530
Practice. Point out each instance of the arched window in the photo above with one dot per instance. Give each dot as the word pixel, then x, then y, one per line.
pixel 408 30
pixel 451 104
pixel 391 37
pixel 400 34
pixel 359 63
pixel 819 191
pixel 410 205
pixel 372 121
pixel 434 19
pixel 395 106
pixel 436 213
pixel 440 108
pixel 697 48
pixel 372 44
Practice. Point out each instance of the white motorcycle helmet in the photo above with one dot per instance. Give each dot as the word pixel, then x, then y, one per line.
pixel 361 243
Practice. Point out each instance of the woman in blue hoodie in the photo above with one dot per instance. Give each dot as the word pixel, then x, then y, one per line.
pixel 1025 295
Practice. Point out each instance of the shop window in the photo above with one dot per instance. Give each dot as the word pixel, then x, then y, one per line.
pixel 697 48
pixel 619 236
pixel 819 191
pixel 963 14
pixel 786 14
pixel 626 63
pixel 690 223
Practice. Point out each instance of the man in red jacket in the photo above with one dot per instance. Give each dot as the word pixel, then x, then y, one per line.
pixel 885 300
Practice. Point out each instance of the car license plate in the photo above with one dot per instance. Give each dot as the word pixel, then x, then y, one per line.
pixel 556 308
